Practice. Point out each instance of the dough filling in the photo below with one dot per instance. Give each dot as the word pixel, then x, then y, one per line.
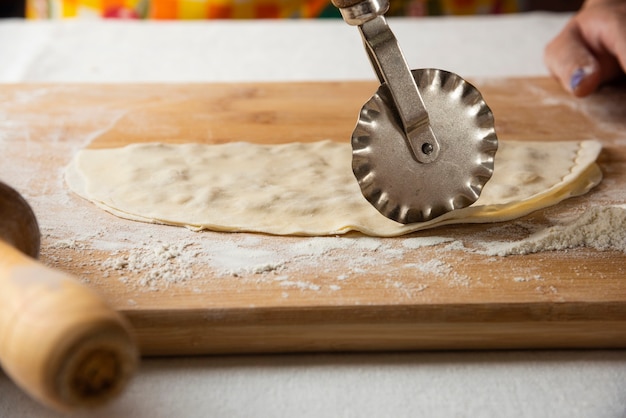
pixel 306 188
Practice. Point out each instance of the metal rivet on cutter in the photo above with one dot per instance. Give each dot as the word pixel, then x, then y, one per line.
pixel 425 142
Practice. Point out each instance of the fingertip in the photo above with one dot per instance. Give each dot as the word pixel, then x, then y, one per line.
pixel 577 77
pixel 571 61
pixel 584 80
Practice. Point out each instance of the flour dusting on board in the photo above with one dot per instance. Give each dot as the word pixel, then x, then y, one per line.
pixel 103 249
pixel 152 266
pixel 602 228
pixel 171 256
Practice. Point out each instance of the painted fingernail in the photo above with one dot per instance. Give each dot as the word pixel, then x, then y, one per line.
pixel 578 76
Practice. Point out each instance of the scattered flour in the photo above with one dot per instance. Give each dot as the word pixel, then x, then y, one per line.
pixel 258 269
pixel 153 266
pixel 69 244
pixel 420 242
pixel 600 227
pixel 433 266
pixel 169 257
pixel 519 279
pixel 298 284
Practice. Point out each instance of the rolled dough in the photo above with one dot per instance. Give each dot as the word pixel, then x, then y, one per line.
pixel 306 188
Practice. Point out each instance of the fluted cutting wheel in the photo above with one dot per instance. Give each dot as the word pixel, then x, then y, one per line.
pixel 394 182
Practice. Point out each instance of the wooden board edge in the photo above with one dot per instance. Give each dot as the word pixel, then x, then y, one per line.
pixel 385 328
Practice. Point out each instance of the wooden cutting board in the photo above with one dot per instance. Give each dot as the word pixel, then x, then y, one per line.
pixel 191 292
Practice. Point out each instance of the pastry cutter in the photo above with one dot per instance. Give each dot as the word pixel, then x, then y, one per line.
pixel 425 142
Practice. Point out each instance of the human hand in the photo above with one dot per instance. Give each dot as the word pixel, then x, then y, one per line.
pixel 591 48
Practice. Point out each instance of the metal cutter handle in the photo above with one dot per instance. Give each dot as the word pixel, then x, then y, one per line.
pixel 392 69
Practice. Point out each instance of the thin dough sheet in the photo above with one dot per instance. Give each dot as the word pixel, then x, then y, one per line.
pixel 306 188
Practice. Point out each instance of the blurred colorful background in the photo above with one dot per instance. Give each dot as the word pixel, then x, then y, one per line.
pixel 251 9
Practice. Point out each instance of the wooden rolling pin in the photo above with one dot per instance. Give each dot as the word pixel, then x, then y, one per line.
pixel 58 340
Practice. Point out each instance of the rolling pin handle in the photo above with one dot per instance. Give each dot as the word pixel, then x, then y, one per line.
pixel 58 340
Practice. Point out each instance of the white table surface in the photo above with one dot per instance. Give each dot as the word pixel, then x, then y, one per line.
pixel 464 384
